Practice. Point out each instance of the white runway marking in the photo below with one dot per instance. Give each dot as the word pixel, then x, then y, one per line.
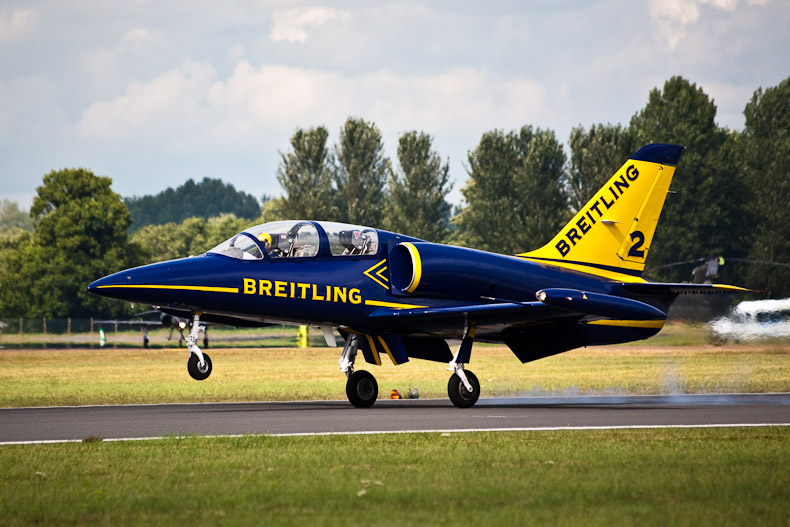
pixel 375 432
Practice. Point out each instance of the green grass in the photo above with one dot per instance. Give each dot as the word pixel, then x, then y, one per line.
pixel 622 477
pixel 107 376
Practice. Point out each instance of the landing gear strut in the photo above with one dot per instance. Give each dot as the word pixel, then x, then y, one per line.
pixel 463 387
pixel 361 386
pixel 199 363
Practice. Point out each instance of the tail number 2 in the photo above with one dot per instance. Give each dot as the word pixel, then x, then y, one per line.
pixel 636 249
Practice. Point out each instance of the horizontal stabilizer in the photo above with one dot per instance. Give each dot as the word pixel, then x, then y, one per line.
pixel 653 288
pixel 599 304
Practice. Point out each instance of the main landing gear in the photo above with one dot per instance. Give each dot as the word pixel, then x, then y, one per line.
pixel 199 363
pixel 362 388
pixel 463 387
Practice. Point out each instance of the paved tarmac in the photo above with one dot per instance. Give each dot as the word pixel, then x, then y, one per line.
pixel 321 417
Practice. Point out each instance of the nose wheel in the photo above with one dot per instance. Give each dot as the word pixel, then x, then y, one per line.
pixel 197 370
pixel 199 363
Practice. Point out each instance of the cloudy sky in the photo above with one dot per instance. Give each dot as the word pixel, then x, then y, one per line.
pixel 152 93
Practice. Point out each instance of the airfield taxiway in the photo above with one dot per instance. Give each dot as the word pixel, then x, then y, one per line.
pixel 53 424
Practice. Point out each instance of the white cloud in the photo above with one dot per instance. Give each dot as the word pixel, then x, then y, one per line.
pixel 291 25
pixel 257 101
pixel 168 103
pixel 727 5
pixel 15 23
pixel 673 16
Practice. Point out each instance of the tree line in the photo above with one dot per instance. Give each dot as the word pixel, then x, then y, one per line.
pixel 205 199
pixel 729 198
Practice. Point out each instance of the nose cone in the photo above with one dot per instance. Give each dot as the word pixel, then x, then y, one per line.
pixel 165 283
pixel 103 286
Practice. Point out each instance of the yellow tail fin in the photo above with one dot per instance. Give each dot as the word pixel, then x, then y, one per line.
pixel 611 235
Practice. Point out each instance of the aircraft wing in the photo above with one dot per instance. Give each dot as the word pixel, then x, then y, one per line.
pixel 488 318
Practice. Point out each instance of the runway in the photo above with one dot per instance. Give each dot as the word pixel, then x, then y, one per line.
pixel 55 424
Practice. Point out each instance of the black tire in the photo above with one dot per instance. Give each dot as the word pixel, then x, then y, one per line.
pixel 459 395
pixel 194 371
pixel 362 389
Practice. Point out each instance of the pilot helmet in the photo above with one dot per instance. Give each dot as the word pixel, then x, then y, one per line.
pixel 266 239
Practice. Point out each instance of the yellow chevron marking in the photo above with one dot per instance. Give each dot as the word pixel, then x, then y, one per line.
pixel 376 271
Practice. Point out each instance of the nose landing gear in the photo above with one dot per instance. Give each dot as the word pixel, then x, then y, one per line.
pixel 199 363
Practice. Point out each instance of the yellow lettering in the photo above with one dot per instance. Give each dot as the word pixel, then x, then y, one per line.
pixel 303 288
pixel 279 289
pixel 340 294
pixel 328 293
pixel 292 290
pixel 315 293
pixel 249 286
pixel 265 285
pixel 355 296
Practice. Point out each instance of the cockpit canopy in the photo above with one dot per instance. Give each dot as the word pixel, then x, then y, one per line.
pixel 299 239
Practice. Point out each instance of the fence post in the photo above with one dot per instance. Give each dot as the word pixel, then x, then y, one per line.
pixel 21 324
pixel 68 326
pixel 45 324
pixel 91 327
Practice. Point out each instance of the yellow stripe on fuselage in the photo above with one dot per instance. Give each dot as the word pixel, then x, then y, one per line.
pixel 203 288
pixel 379 303
pixel 589 269
pixel 646 324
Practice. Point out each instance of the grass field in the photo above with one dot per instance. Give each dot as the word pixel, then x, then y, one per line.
pixel 677 361
pixel 625 477
pixel 102 376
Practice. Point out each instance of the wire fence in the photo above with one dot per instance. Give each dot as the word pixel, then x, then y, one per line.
pixel 46 326
pixel 91 332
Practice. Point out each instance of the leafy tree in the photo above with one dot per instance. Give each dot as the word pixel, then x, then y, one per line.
pixel 703 217
pixel 80 235
pixel 540 190
pixel 209 198
pixel 514 195
pixel 417 192
pixel 764 150
pixel 305 175
pixel 361 173
pixel 596 154
pixel 488 219
pixel 191 237
pixel 12 219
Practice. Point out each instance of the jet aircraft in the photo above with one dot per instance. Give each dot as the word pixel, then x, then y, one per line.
pixel 392 295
